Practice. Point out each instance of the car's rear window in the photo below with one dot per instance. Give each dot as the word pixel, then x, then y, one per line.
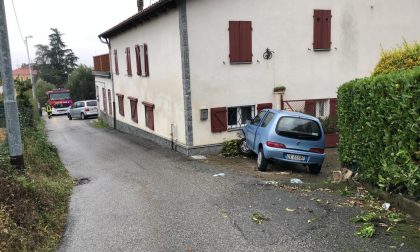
pixel 298 128
pixel 91 103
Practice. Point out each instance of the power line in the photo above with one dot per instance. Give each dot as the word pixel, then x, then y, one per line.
pixel 17 21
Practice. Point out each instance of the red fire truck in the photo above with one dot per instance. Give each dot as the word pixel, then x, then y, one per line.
pixel 59 100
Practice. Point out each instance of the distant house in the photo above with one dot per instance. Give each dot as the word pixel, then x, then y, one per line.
pixel 23 73
pixel 190 73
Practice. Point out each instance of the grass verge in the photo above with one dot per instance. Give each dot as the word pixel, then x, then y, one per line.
pixel 33 206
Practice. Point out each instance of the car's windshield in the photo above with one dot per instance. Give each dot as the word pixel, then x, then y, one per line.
pixel 59 96
pixel 298 128
pixel 91 103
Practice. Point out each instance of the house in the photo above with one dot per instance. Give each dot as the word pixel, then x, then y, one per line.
pixel 23 73
pixel 188 74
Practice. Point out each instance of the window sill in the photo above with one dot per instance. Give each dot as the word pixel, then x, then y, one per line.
pixel 241 63
pixel 235 129
pixel 321 49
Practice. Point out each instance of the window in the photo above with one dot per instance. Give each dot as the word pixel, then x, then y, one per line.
pixel 237 116
pixel 256 121
pixel 110 101
pixel 104 100
pixel 322 30
pixel 91 103
pixel 128 60
pixel 267 120
pixel 138 65
pixel 240 41
pixel 133 106
pixel 149 116
pixel 121 104
pixel 117 71
pixel 298 128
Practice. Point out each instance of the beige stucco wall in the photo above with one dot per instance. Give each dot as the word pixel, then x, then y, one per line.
pixel 100 83
pixel 359 30
pixel 164 85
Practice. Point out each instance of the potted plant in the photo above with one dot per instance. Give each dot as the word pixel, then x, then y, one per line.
pixel 279 89
pixel 329 124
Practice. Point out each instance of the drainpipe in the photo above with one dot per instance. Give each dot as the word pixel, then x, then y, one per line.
pixel 106 41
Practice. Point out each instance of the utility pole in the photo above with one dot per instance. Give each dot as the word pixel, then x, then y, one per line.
pixel 10 105
pixel 30 74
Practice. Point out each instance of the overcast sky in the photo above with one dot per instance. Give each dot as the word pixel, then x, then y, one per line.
pixel 81 21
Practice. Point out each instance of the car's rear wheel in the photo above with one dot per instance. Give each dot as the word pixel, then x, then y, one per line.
pixel 315 169
pixel 82 116
pixel 262 162
pixel 69 116
pixel 243 147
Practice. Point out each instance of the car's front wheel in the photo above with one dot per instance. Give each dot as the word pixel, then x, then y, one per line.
pixel 243 147
pixel 262 162
pixel 82 116
pixel 69 116
pixel 315 168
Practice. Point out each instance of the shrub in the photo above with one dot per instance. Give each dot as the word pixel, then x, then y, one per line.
pixel 379 124
pixel 406 56
pixel 329 124
pixel 231 148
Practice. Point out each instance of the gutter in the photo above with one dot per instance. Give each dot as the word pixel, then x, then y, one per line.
pixel 108 43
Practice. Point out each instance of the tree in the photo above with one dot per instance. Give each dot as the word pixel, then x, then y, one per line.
pixel 82 83
pixel 55 61
pixel 41 89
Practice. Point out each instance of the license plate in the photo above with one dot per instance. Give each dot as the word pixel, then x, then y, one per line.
pixel 295 157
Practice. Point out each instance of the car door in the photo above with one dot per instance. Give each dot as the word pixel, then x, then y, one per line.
pixel 252 129
pixel 73 109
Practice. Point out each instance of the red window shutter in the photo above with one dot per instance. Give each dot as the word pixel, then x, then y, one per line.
pixel 245 38
pixel 117 71
pixel 264 106
pixel 146 60
pixel 104 99
pixel 150 118
pixel 133 106
pixel 110 101
pixel 326 29
pixel 333 107
pixel 234 40
pixel 128 59
pixel 218 119
pixel 121 104
pixel 322 30
pixel 138 61
pixel 310 107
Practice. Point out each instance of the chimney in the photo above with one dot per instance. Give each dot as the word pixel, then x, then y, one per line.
pixel 140 5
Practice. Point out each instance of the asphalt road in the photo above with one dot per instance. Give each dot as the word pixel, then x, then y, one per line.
pixel 142 197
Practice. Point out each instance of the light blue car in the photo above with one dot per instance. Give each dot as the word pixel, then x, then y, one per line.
pixel 277 135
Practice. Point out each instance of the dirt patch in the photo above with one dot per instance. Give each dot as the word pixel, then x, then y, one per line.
pixel 81 181
pixel 279 171
pixel 2 134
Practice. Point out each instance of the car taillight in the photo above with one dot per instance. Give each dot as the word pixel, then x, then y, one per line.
pixel 317 150
pixel 86 109
pixel 275 145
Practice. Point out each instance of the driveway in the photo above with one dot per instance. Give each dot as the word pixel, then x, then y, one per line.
pixel 142 197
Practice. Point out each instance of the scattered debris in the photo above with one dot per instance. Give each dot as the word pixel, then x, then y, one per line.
pixel 337 176
pixel 224 213
pixel 312 220
pixel 81 181
pixel 198 157
pixel 386 206
pixel 219 175
pixel 367 231
pixel 272 182
pixel 296 181
pixel 395 217
pixel 285 173
pixel 347 174
pixel 290 209
pixel 258 218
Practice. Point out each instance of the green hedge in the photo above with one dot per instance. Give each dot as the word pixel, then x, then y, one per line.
pixel 379 125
